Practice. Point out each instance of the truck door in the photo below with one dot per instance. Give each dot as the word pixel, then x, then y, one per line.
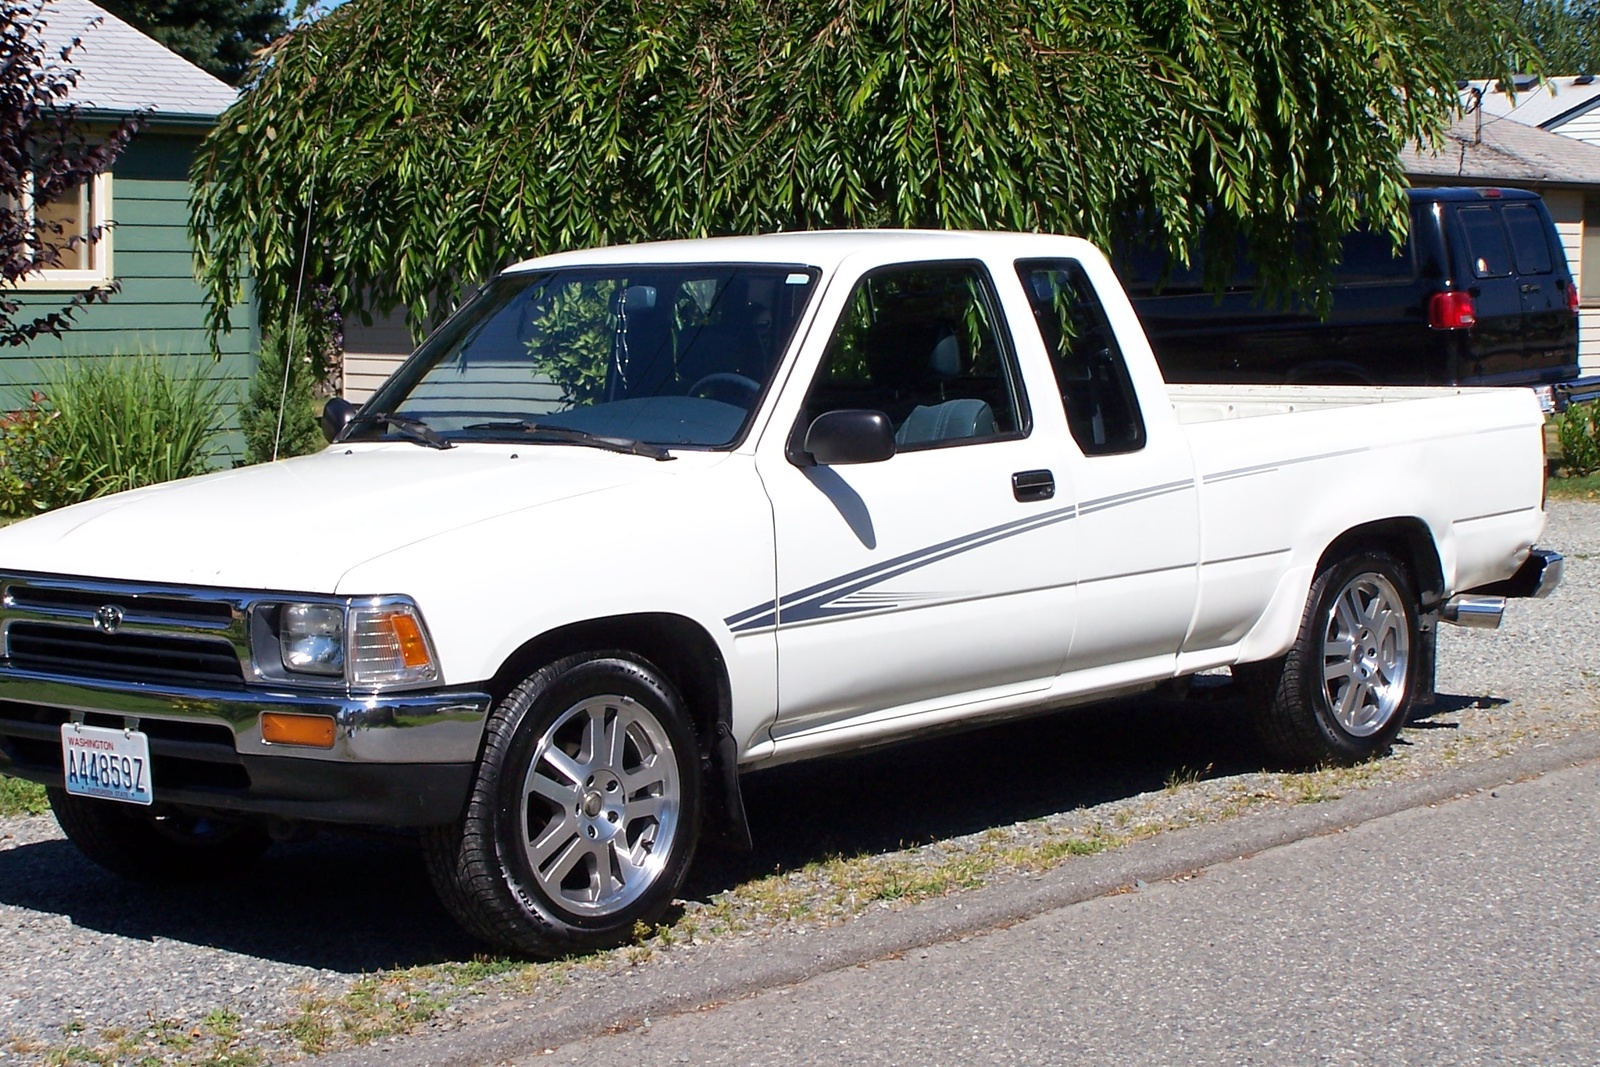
pixel 945 569
pixel 1138 524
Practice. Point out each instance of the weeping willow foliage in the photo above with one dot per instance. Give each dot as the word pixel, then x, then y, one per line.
pixel 430 142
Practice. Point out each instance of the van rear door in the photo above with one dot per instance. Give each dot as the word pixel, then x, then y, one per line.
pixel 1549 332
pixel 1495 347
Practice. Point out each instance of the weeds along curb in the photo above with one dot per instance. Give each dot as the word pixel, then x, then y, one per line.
pixel 696 977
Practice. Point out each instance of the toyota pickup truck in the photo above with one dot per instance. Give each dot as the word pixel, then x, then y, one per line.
pixel 639 520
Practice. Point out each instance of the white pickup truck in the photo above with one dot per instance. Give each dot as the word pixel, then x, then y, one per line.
pixel 640 519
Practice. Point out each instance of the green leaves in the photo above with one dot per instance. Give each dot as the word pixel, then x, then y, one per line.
pixel 429 144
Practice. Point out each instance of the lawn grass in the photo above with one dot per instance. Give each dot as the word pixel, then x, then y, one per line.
pixel 21 798
pixel 1586 487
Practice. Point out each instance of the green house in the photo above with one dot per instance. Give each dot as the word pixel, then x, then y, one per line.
pixel 159 309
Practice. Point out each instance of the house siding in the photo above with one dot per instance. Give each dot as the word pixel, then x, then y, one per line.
pixel 372 353
pixel 160 309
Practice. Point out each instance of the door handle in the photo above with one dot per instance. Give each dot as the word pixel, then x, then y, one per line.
pixel 1028 486
pixel 1529 287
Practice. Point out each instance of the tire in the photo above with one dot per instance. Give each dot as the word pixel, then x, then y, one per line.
pixel 1343 690
pixel 155 844
pixel 566 844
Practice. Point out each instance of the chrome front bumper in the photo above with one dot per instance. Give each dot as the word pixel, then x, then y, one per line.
pixel 411 727
pixel 406 759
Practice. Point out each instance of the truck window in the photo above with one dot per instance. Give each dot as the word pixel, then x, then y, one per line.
pixel 1486 242
pixel 1528 239
pixel 920 343
pixel 1102 408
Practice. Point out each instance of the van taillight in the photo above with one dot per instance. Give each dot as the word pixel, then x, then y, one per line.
pixel 1451 311
pixel 1572 298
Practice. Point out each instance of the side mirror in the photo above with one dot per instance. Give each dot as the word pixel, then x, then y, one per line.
pixel 336 413
pixel 850 436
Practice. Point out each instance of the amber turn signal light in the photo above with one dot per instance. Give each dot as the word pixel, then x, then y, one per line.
pixel 314 731
pixel 408 635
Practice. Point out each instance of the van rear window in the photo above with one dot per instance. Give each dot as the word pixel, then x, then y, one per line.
pixel 1528 239
pixel 1486 242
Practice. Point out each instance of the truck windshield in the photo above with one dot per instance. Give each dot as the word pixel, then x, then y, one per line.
pixel 667 355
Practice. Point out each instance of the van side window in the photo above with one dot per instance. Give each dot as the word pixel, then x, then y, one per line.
pixel 1102 409
pixel 1486 242
pixel 1367 256
pixel 1528 239
pixel 919 343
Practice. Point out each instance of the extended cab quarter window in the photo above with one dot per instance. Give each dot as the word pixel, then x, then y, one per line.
pixel 1098 395
pixel 919 343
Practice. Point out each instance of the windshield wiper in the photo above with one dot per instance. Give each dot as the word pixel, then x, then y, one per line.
pixel 414 429
pixel 578 437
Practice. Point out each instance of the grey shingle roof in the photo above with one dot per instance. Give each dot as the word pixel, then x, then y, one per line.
pixel 120 70
pixel 1508 151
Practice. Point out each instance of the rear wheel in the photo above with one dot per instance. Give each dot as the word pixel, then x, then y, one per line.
pixel 1343 691
pixel 156 844
pixel 585 814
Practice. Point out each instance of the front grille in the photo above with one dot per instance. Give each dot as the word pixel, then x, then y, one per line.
pixel 124 631
pixel 135 657
pixel 213 614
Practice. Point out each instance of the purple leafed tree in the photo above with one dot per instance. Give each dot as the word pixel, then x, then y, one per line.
pixel 46 154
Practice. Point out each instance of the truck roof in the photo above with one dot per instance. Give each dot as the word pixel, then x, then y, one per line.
pixel 822 248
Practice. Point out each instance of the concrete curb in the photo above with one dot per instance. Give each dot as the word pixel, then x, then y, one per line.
pixel 689 978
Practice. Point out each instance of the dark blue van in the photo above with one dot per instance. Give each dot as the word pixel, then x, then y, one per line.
pixel 1480 295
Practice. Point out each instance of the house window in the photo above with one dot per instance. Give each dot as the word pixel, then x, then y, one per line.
pixel 75 213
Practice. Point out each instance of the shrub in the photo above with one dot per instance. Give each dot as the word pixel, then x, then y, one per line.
pixel 35 474
pixel 1578 430
pixel 138 420
pixel 299 434
pixel 315 338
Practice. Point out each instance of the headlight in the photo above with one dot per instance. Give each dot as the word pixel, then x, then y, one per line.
pixel 371 643
pixel 311 638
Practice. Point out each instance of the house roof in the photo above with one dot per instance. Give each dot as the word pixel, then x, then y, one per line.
pixel 1547 104
pixel 1505 150
pixel 121 71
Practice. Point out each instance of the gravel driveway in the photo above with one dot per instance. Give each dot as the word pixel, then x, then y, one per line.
pixel 339 939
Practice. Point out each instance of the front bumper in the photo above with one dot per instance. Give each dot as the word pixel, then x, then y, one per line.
pixel 405 759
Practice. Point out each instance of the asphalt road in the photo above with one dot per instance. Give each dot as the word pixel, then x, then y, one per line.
pixel 1463 933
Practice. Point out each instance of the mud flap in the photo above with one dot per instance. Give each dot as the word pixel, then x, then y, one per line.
pixel 1426 661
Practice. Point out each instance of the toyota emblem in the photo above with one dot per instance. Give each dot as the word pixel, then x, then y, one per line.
pixel 108 618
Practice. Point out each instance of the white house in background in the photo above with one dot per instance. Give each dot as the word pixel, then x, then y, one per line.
pixel 1483 148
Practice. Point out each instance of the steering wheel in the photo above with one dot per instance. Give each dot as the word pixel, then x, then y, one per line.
pixel 729 380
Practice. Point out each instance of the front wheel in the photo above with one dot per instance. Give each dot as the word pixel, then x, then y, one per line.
pixel 1343 690
pixel 584 815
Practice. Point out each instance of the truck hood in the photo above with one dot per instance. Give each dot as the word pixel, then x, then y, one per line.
pixel 298 525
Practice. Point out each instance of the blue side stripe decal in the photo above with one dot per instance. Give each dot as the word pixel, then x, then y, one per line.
pixel 823 600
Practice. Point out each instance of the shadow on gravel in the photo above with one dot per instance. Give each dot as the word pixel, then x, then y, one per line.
pixel 345 904
pixel 359 904
pixel 962 783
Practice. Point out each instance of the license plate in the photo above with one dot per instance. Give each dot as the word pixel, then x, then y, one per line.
pixel 108 764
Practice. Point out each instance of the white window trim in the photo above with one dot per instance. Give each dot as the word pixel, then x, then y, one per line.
pixel 100 270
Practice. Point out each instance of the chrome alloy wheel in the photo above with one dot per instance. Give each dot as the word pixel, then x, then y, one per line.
pixel 600 805
pixel 1366 654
